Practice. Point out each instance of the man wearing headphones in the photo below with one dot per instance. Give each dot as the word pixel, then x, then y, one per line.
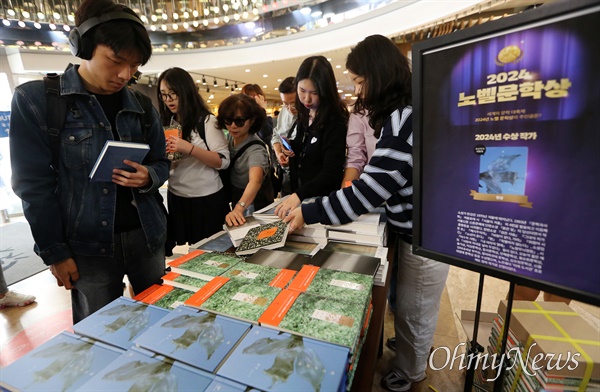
pixel 91 234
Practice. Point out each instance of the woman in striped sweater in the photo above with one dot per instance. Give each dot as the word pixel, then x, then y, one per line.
pixel 382 80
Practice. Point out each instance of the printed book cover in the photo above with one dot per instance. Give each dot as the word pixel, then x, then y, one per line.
pixel 168 297
pixel 242 300
pixel 112 155
pixel 237 233
pixel 271 360
pixel 342 286
pixel 267 236
pixel 183 281
pixel 326 319
pixel 222 384
pixel 204 265
pixel 300 247
pixel 218 242
pixel 120 322
pixel 366 265
pixel 195 337
pixel 259 274
pixel 64 363
pixel 279 259
pixel 141 370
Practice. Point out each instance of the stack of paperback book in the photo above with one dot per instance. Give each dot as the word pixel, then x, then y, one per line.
pixel 364 250
pixel 237 233
pixel 550 348
pixel 367 229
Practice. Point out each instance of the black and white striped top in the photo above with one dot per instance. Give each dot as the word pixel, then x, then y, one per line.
pixel 386 178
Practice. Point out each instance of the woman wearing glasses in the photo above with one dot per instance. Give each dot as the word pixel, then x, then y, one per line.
pixel 249 174
pixel 196 201
pixel 319 146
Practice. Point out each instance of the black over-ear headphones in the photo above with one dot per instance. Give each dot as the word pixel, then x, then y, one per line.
pixel 80 46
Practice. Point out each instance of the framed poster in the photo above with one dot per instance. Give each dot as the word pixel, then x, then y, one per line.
pixel 507 149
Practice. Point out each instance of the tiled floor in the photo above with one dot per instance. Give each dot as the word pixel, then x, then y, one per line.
pixel 49 315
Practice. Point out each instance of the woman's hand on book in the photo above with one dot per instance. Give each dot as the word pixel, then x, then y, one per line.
pixel 283 209
pixel 295 219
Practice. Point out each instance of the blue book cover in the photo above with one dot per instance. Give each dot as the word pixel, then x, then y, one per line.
pixel 221 384
pixel 120 322
pixel 195 337
pixel 278 361
pixel 141 370
pixel 64 363
pixel 112 155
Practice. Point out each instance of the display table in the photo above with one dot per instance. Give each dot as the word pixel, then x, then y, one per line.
pixel 373 346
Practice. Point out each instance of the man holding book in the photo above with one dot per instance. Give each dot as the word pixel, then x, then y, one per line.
pixel 92 233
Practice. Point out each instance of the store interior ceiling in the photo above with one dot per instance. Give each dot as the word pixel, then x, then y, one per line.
pixel 202 28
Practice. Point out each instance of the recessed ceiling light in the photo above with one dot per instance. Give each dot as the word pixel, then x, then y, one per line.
pixel 265 76
pixel 247 70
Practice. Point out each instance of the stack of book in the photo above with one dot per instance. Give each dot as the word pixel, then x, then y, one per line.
pixel 237 233
pixel 379 252
pixel 204 265
pixel 552 348
pixel 367 229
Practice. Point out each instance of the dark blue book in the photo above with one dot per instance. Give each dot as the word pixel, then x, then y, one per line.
pixel 64 363
pixel 120 322
pixel 195 337
pixel 112 155
pixel 278 361
pixel 142 370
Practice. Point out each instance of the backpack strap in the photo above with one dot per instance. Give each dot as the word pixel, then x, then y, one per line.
pixel 244 148
pixel 56 113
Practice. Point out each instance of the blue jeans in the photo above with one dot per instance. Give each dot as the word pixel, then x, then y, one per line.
pixel 101 278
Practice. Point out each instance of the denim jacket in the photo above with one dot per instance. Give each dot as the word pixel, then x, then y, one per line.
pixel 67 213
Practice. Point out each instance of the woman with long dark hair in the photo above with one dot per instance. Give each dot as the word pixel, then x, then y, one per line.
pixel 382 79
pixel 319 146
pixel 196 201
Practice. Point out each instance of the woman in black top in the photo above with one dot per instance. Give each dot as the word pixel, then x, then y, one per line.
pixel 319 148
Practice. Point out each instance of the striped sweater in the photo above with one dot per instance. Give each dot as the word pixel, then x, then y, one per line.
pixel 387 178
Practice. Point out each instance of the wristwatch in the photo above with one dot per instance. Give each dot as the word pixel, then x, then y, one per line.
pixel 242 204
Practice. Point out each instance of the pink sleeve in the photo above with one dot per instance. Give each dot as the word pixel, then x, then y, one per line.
pixel 355 141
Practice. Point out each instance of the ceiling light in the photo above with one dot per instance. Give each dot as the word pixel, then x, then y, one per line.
pixel 205 22
pixel 71 18
pixel 186 15
pixel 25 14
pixel 216 20
pixel 249 25
pixel 52 26
pixel 338 66
pixel 175 26
pixel 203 80
pixel 6 22
pixel 206 11
pixel 226 84
pixel 163 27
pixel 37 25
pixel 306 11
pixel 245 15
pixel 154 18
pixel 153 28
pixel 226 19
pixel 66 28
pixel 164 16
pixel 41 15
pixel 21 23
pixel 340 91
pixel 195 13
pixel 215 82
pixel 11 12
pixel 265 76
pixel 247 70
pixel 56 15
pixel 195 23
pixel 225 7
pixel 175 15
pixel 265 86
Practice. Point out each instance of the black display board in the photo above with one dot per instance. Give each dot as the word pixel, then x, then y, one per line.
pixel 507 149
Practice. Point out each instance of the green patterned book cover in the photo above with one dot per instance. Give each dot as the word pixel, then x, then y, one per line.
pixel 173 298
pixel 242 300
pixel 204 265
pixel 252 273
pixel 327 319
pixel 343 286
pixel 183 281
pixel 267 236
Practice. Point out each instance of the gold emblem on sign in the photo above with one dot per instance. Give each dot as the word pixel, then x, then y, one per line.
pixel 509 54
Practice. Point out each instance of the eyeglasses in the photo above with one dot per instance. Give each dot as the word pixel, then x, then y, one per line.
pixel 239 121
pixel 289 105
pixel 168 97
